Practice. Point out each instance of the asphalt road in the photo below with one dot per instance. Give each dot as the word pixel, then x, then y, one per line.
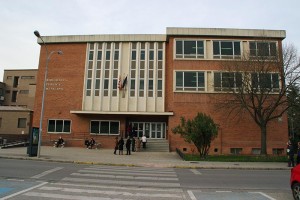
pixel 25 179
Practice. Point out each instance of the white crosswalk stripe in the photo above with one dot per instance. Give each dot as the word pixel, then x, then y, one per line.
pixel 109 182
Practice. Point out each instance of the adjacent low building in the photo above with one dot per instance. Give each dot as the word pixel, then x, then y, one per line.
pixel 103 84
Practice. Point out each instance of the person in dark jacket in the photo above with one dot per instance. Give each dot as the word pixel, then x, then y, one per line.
pixel 290 152
pixel 128 145
pixel 116 145
pixel 121 146
pixel 133 144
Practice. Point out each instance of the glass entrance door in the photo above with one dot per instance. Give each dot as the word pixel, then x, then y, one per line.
pixel 155 130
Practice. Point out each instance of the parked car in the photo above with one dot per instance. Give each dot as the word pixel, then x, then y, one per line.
pixel 295 182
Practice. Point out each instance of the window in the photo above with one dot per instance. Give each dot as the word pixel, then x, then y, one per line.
pixel 265 81
pixel 189 49
pixel 263 49
pixel 190 81
pixel 227 81
pixel 59 126
pixel 255 151
pixel 16 81
pixel 279 151
pixel 27 77
pixel 236 151
pixel 14 96
pixel 227 49
pixel 22 122
pixel 105 127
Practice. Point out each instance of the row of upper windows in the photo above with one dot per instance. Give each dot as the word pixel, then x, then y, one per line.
pixel 223 49
pixel 225 81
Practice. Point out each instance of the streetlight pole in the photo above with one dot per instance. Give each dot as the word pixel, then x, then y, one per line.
pixel 48 56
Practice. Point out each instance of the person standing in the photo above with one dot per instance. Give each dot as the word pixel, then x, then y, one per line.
pixel 133 144
pixel 138 144
pixel 121 146
pixel 116 145
pixel 128 145
pixel 144 141
pixel 291 152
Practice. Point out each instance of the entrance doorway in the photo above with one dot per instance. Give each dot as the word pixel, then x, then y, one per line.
pixel 154 130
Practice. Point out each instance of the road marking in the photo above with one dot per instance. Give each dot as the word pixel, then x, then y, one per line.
pixel 196 172
pixel 126 177
pixel 132 173
pixel 23 191
pixel 47 172
pixel 263 194
pixel 106 192
pixel 191 194
pixel 13 179
pixel 223 191
pixel 64 196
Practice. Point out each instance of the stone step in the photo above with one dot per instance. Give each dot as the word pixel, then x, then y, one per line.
pixel 157 145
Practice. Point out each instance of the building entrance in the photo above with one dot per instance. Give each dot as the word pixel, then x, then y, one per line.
pixel 154 130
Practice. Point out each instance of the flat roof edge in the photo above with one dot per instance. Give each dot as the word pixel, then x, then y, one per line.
pixel 120 113
pixel 103 38
pixel 227 32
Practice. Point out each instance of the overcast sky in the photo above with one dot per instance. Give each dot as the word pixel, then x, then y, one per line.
pixel 19 19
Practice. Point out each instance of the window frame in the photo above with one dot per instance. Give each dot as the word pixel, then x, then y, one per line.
pixel 222 87
pixel 220 55
pixel 63 126
pixel 267 89
pixel 256 49
pixel 193 56
pixel 22 122
pixel 109 127
pixel 197 88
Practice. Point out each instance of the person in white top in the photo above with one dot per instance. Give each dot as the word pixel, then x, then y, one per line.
pixel 144 140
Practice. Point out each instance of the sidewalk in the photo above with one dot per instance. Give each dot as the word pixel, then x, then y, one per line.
pixel 144 159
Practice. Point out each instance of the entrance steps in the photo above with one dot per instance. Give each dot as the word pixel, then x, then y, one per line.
pixel 156 145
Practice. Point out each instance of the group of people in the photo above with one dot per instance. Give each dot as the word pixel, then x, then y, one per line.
pixel 89 143
pixel 132 144
pixel 291 151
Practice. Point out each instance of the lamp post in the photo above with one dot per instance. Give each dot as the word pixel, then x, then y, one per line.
pixel 48 56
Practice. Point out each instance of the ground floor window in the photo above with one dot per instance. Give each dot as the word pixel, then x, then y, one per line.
pixel 236 151
pixel 105 127
pixel 255 151
pixel 59 126
pixel 278 151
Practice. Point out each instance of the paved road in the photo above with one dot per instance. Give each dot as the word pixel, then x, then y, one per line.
pixel 49 180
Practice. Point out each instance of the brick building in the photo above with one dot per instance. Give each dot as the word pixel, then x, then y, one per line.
pixel 103 84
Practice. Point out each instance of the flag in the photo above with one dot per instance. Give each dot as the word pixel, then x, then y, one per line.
pixel 124 82
pixel 120 83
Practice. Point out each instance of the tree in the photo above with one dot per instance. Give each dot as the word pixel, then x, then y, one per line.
pixel 201 131
pixel 294 111
pixel 258 84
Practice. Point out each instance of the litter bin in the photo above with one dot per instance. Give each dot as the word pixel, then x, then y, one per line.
pixel 32 148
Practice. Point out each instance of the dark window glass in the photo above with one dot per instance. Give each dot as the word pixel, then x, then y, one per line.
pixel 151 55
pixel 97 86
pixel 133 55
pixel 115 84
pixel 59 126
pixel 51 126
pixel 200 48
pixel 91 55
pixel 275 80
pixel 107 55
pixel 142 55
pixel 89 84
pixel 216 48
pixel 226 48
pixel 200 79
pixel 16 81
pixel 238 80
pixel 150 85
pixel 265 81
pixel 132 84
pixel 14 96
pixel 217 79
pixel 104 128
pixel 67 126
pixel 94 127
pixel 21 122
pixel 189 48
pixel 179 47
pixel 99 55
pixel 114 127
pixel 160 55
pixel 106 84
pixel 254 80
pixel 237 48
pixel 116 55
pixel 228 80
pixel 159 85
pixel 179 79
pixel 189 79
pixel 141 84
pixel 263 49
pixel 273 50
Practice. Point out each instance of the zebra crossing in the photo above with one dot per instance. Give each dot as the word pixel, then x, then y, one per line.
pixel 112 182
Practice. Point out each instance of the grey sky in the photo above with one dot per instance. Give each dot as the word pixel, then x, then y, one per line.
pixel 19 18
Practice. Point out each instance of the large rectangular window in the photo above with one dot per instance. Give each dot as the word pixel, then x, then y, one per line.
pixel 265 81
pixel 227 81
pixel 263 49
pixel 227 49
pixel 189 49
pixel 59 126
pixel 190 81
pixel 105 127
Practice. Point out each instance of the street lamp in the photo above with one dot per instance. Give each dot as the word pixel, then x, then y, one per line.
pixel 48 56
